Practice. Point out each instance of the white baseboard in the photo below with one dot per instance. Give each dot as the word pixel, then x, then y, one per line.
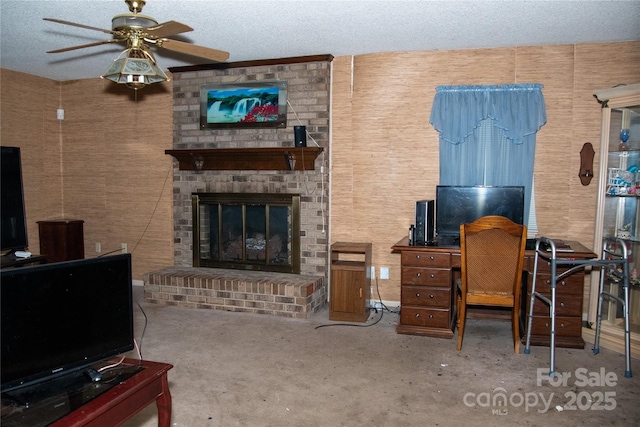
pixel 391 305
pixel 613 340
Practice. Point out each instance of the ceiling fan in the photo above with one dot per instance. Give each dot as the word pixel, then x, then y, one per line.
pixel 136 66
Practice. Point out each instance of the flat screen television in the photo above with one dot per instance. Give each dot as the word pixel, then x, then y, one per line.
pixel 457 205
pixel 62 317
pixel 13 226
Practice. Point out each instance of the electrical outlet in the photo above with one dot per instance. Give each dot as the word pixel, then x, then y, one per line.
pixel 376 305
pixel 372 272
pixel 384 273
pixel 124 248
pixel 98 247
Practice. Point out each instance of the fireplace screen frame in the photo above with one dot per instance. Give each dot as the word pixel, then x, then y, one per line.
pixel 243 200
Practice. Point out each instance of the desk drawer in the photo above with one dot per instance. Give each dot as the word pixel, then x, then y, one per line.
pixel 565 326
pixel 439 277
pixel 566 305
pixel 427 317
pixel 419 295
pixel 426 259
pixel 570 285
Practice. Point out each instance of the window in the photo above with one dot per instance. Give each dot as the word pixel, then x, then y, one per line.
pixel 488 136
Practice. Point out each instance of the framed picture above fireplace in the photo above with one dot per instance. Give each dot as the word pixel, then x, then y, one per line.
pixel 255 104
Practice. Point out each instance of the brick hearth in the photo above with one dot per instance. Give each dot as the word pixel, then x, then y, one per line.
pixel 280 294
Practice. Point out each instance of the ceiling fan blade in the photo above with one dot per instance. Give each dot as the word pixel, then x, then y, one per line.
pixel 167 29
pixel 194 50
pixel 85 45
pixel 60 21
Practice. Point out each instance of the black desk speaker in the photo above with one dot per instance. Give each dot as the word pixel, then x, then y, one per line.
pixel 300 136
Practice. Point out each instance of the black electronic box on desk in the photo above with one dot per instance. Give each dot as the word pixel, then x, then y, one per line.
pixel 438 222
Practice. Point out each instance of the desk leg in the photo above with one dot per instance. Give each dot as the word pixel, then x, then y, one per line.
pixel 164 404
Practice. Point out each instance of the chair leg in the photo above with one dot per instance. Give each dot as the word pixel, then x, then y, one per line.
pixel 515 327
pixel 462 316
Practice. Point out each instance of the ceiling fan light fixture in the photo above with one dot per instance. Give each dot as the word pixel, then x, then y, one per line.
pixel 135 68
pixel 135 6
pixel 129 20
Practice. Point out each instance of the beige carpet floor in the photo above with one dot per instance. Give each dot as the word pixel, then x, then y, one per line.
pixel 238 369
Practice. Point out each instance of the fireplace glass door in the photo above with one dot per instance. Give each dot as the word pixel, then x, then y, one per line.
pixel 247 231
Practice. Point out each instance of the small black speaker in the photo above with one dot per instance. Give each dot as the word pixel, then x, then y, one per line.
pixel 424 233
pixel 300 136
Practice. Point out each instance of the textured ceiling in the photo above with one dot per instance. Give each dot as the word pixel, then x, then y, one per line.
pixel 251 30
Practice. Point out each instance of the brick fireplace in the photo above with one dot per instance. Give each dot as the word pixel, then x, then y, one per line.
pixel 308 101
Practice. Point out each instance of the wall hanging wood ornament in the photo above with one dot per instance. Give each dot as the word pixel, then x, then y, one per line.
pixel 586 163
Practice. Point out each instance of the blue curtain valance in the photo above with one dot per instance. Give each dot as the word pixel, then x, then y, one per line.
pixel 517 109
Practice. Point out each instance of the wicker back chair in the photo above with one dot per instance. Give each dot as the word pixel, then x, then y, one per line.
pixel 492 257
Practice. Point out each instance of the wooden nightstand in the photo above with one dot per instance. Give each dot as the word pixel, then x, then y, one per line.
pixel 350 281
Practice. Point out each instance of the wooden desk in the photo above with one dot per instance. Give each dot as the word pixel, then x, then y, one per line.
pixel 427 298
pixel 110 408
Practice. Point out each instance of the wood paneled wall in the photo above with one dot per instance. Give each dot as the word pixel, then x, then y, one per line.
pixel 104 163
pixel 28 107
pixel 384 152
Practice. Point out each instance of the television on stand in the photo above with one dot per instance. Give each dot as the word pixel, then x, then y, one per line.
pixel 456 205
pixel 13 224
pixel 59 319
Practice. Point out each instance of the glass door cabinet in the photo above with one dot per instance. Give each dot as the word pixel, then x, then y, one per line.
pixel 618 211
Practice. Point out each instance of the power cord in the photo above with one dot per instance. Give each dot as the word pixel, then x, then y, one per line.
pixel 354 324
pixel 304 182
pixel 144 329
pixel 155 209
pixel 108 253
pixel 383 307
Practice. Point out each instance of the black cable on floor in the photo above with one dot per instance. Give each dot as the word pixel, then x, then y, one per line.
pixel 144 329
pixel 383 308
pixel 380 300
pixel 352 324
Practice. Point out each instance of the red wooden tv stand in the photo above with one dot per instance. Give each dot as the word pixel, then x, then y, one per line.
pixel 75 401
pixel 126 399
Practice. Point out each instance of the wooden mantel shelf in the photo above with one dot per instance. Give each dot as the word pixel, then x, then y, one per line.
pixel 281 158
